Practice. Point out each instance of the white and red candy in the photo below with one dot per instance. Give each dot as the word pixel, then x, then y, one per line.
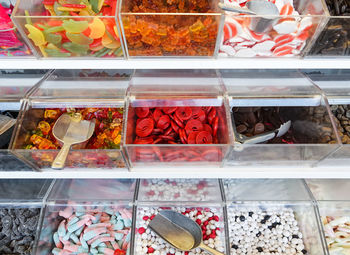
pixel 210 220
pixel 287 38
pixel 93 230
pixel 177 189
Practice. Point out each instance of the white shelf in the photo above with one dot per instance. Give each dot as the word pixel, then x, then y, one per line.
pixel 188 172
pixel 180 63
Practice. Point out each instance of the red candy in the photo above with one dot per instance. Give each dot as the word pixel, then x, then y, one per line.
pixel 177 125
pixel 141 231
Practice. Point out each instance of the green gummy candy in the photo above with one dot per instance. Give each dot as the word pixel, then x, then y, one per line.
pixel 76 48
pixel 53 38
pixel 56 53
pixel 79 38
pixel 75 27
pixel 94 5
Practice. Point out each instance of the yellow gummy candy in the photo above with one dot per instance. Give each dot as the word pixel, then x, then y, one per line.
pixel 116 31
pixel 106 40
pixel 79 38
pixel 97 28
pixel 36 35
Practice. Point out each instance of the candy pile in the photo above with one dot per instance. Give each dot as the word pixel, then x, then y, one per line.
pixel 17 230
pixel 337 231
pixel 272 231
pixel 342 119
pixel 309 124
pixel 287 38
pixel 251 121
pixel 334 38
pixel 76 37
pixel 177 125
pixel 107 133
pixel 11 43
pixel 94 231
pixel 170 35
pixel 208 218
pixel 176 189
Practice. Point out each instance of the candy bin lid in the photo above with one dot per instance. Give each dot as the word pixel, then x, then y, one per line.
pixel 329 189
pixel 179 190
pixel 82 87
pixel 334 83
pixel 266 190
pixel 23 191
pixel 270 87
pixel 65 190
pixel 14 84
pixel 175 83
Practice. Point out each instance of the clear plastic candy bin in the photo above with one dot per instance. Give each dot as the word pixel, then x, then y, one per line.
pixel 14 84
pixel 94 96
pixel 20 213
pixel 278 117
pixel 175 118
pixel 104 210
pixel 281 219
pixel 288 32
pixel 333 202
pixel 68 29
pixel 171 28
pixel 335 86
pixel 11 42
pixel 207 212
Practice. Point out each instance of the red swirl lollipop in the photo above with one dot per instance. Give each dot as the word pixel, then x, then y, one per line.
pixel 204 137
pixel 163 122
pixel 184 113
pixel 142 112
pixel 144 127
pixel 193 125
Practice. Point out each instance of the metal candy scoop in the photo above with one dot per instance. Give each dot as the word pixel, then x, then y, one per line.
pixel 264 8
pixel 180 231
pixel 70 130
pixel 263 137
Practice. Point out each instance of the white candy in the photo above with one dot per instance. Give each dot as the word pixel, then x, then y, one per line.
pixel 264 46
pixel 286 27
pixel 245 53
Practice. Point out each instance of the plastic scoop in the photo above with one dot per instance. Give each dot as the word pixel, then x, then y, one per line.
pixel 180 231
pixel 70 130
pixel 265 136
pixel 6 124
pixel 266 14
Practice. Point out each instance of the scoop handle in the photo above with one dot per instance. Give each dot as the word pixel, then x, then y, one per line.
pixel 60 159
pixel 210 250
pixel 236 9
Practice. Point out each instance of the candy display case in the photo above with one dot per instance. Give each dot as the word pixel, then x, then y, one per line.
pixel 333 204
pixel 333 41
pixel 70 29
pixel 170 29
pixel 335 86
pixel 278 117
pixel 176 118
pixel 11 42
pixel 13 87
pixel 74 92
pixel 206 210
pixel 20 211
pixel 285 29
pixel 260 219
pixel 104 212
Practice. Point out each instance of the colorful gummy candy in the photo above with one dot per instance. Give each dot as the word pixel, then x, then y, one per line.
pixel 287 38
pixel 87 28
pixel 177 125
pixel 93 231
pixel 170 35
pixel 11 43
pixel 107 135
